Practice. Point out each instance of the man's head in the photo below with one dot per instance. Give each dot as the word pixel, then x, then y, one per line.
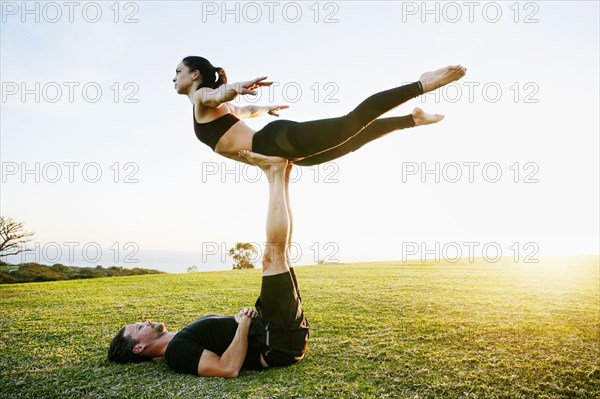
pixel 134 343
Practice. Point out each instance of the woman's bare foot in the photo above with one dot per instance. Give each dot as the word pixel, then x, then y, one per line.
pixel 264 162
pixel 441 77
pixel 422 118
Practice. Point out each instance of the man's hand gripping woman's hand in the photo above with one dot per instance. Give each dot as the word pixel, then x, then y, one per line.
pixel 246 315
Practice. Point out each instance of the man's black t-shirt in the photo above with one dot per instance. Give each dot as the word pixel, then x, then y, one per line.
pixel 214 333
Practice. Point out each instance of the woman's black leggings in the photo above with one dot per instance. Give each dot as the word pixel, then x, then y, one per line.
pixel 378 128
pixel 291 139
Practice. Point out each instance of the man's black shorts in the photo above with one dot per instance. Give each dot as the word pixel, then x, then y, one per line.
pixel 281 328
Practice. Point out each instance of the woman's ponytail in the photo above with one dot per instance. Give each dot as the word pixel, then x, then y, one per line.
pixel 222 79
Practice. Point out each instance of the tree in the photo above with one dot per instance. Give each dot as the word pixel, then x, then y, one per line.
pixel 241 254
pixel 192 269
pixel 12 237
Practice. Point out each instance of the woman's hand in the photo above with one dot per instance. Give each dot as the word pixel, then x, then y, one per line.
pixel 250 86
pixel 273 110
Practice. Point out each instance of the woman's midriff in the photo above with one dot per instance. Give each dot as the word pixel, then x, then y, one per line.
pixel 238 137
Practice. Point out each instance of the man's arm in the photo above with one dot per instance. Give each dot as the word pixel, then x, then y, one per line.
pixel 229 364
pixel 212 98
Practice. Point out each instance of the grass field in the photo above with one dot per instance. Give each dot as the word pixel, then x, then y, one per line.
pixel 379 330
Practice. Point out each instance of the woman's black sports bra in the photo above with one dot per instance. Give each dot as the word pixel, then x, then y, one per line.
pixel 210 133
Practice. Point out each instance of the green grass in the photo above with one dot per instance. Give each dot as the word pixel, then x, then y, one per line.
pixel 379 330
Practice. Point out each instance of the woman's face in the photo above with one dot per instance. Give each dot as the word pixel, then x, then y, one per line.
pixel 184 79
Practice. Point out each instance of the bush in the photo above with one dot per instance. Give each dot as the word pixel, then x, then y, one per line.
pixel 6 278
pixel 32 272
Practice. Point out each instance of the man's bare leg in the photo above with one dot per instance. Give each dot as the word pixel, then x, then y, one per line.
pixel 288 171
pixel 275 260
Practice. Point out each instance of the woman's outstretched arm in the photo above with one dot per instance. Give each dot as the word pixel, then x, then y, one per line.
pixel 212 98
pixel 254 111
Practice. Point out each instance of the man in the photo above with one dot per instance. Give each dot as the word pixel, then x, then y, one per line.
pixel 275 335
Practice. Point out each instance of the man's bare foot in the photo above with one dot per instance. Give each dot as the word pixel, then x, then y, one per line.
pixel 422 118
pixel 441 77
pixel 264 162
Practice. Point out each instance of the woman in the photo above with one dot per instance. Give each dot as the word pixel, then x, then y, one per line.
pixel 217 122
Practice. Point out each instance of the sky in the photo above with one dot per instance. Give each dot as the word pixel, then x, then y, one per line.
pixel 99 158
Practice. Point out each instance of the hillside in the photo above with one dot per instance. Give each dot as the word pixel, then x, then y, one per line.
pixel 392 329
